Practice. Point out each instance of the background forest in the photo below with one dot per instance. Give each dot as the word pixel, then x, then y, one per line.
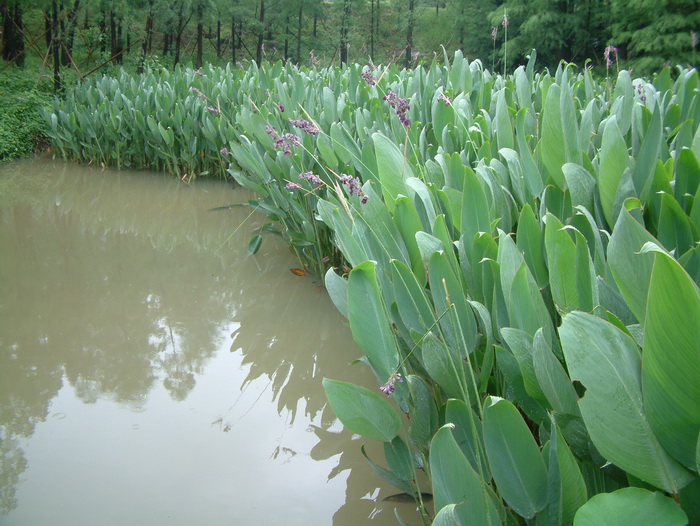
pixel 647 34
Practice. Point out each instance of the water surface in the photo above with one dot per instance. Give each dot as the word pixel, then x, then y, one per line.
pixel 151 372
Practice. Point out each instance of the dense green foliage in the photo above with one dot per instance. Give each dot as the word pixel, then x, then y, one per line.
pixel 323 32
pixel 22 128
pixel 516 255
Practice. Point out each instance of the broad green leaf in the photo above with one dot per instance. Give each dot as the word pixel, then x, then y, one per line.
pixel 393 169
pixel 388 475
pixel 552 378
pixel 671 372
pixel 502 125
pixel 613 162
pixel 444 368
pixel 551 144
pixel 475 209
pixel 369 321
pixel 581 185
pixel 362 411
pixel 631 269
pixel 567 488
pixel 520 344
pixel 447 516
pixel 459 324
pixel 571 274
pixel 645 165
pixel 515 459
pixel 337 288
pixel 630 507
pixel 469 434
pixel 608 364
pixel 675 231
pixel 424 415
pixel 408 223
pixel 411 298
pixel 456 482
pixel 400 459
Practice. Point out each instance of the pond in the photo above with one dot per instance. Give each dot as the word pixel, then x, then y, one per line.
pixel 152 372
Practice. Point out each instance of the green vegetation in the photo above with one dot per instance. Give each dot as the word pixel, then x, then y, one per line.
pixel 22 127
pixel 518 257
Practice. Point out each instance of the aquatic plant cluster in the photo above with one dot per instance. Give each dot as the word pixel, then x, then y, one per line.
pixel 520 266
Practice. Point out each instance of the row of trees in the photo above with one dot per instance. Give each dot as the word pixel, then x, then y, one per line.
pixel 500 32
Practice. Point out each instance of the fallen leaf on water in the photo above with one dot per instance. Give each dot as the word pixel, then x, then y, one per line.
pixel 297 271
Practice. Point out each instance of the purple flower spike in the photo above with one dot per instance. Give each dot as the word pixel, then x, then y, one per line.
pixel 304 125
pixel 494 33
pixel 311 177
pixel 388 388
pixel 609 51
pixel 224 151
pixel 369 77
pixel 215 111
pixel 293 186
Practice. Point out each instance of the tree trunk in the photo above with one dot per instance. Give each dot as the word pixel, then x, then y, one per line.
pixel 70 33
pixel 112 33
pixel 233 39
pixel 409 33
pixel 120 45
pixel 200 39
pixel 12 39
pixel 301 12
pixel 218 39
pixel 345 20
pixel 286 39
pixel 56 50
pixel 167 38
pixel 371 30
pixel 259 47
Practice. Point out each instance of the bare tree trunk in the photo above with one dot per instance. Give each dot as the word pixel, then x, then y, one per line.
pixel 218 39
pixel 301 12
pixel 12 39
pixel 56 50
pixel 345 20
pixel 371 30
pixel 261 19
pixel 409 33
pixel 70 33
pixel 233 39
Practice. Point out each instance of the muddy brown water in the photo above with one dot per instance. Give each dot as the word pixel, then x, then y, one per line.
pixel 152 372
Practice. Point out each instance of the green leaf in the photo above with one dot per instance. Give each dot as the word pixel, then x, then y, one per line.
pixel 362 411
pixel 456 482
pixel 393 169
pixel 630 507
pixel 515 459
pixel 369 320
pixel 608 364
pixel 614 160
pixel 671 372
pixel 337 288
pixel 388 475
pixel 444 367
pixel 552 378
pixel 645 165
pixel 631 269
pixel 567 488
pixel 447 516
pixel 469 434
pixel 581 185
pixel 400 459
pixel 424 415
pixel 254 244
pixel 551 144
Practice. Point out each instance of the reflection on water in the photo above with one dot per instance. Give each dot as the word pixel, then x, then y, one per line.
pixel 151 372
